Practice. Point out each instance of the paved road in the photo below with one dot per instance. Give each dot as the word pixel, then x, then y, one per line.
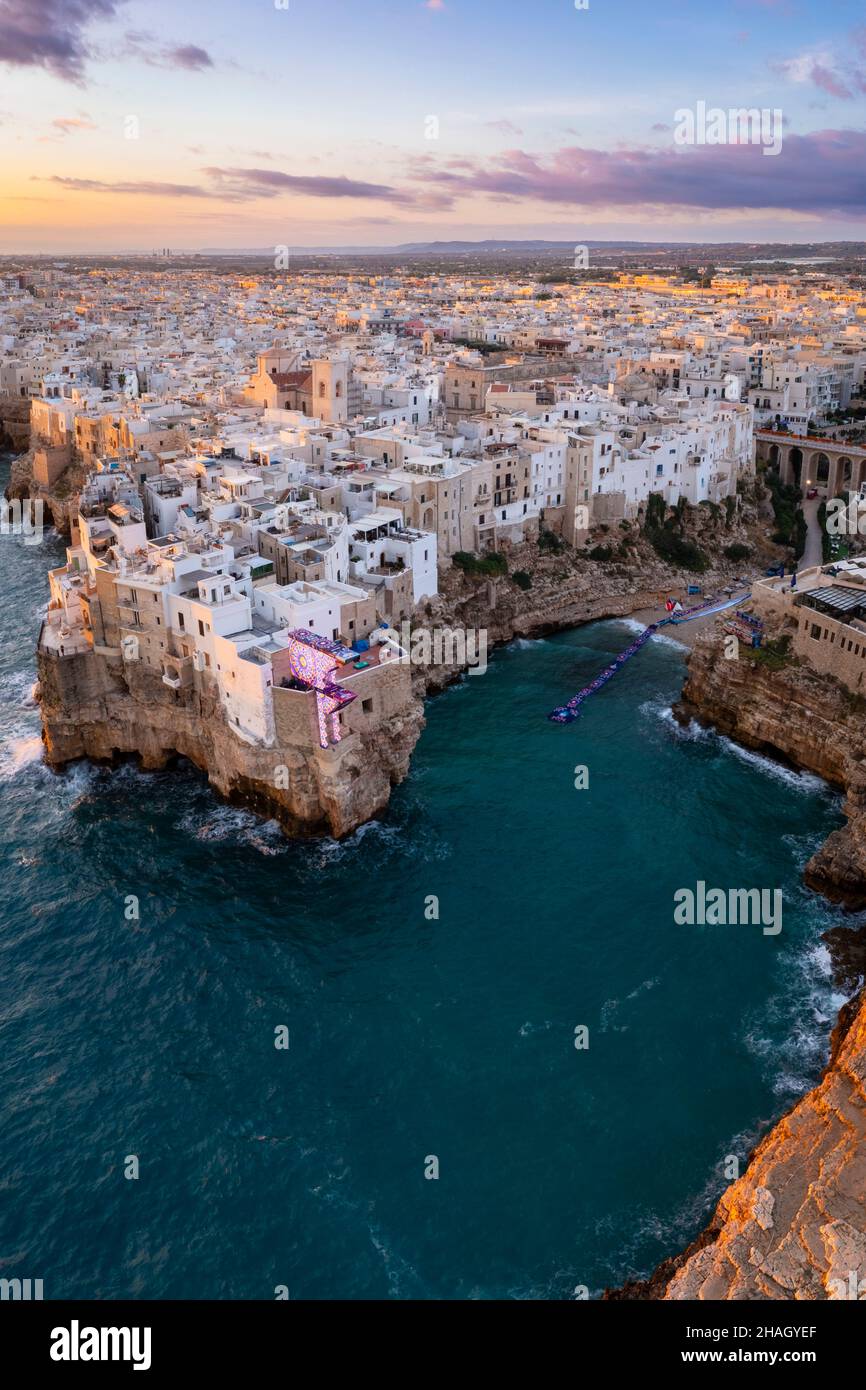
pixel 812 553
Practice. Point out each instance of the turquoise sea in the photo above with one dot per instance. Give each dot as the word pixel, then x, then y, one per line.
pixel 409 1037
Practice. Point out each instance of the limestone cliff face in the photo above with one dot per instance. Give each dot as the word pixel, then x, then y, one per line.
pixel 793 1226
pixel 14 423
pixel 808 719
pixel 60 502
pixel 96 708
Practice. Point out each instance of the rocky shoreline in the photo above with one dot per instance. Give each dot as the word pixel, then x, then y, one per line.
pixel 99 708
pixel 810 721
pixel 95 706
pixel 793 1226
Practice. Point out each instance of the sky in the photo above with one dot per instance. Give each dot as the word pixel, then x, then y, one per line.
pixel 133 124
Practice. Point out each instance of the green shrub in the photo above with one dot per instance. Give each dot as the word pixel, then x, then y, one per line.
pixel 784 499
pixel 547 540
pixel 655 511
pixel 737 551
pixel 521 579
pixel 665 539
pixel 774 654
pixel 799 534
pixel 678 551
pixel 601 552
pixel 490 565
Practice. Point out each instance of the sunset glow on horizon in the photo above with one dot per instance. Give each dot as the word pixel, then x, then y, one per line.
pixel 130 125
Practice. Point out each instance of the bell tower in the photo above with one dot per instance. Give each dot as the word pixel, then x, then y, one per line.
pixel 330 388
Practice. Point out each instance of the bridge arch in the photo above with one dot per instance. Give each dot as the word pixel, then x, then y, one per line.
pixel 819 469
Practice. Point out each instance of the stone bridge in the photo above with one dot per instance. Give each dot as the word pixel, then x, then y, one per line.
pixel 809 461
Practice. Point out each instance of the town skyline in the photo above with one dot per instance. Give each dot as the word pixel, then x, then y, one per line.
pixel 128 126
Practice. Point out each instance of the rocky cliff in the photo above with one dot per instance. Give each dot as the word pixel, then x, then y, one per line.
pixel 793 1226
pixel 102 709
pixel 97 708
pixel 566 589
pixel 783 708
pixel 60 502
pixel 14 423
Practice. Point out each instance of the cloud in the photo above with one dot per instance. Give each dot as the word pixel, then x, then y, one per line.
pixel 816 70
pixel 504 127
pixel 840 77
pixel 188 56
pixel 269 183
pixel 66 124
pixel 830 81
pixel 50 34
pixel 240 185
pixel 146 47
pixel 148 188
pixel 823 172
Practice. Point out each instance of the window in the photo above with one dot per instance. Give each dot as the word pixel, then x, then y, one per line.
pixel 200 628
pixel 367 706
pixel 816 632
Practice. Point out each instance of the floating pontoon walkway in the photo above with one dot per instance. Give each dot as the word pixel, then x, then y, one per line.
pixel 565 714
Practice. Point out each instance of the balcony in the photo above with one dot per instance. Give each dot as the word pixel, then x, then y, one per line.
pixel 177 672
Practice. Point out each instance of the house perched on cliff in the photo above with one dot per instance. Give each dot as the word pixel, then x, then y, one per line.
pixel 822 612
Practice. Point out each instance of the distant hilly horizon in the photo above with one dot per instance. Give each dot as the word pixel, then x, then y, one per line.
pixel 792 250
pixel 495 244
